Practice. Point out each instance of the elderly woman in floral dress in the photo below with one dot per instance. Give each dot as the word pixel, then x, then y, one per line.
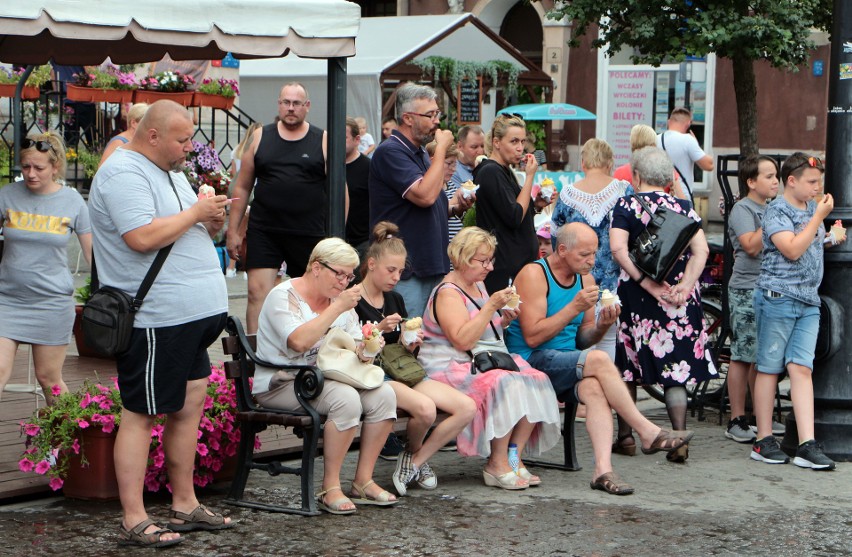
pixel 661 325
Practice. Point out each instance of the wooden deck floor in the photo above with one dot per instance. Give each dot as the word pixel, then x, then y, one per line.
pixel 15 407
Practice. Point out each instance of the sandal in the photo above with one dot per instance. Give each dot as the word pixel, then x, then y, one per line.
pixel 612 484
pixel 334 508
pixel 201 518
pixel 383 499
pixel 679 455
pixel 509 480
pixel 668 440
pixel 137 536
pixel 626 449
pixel 530 478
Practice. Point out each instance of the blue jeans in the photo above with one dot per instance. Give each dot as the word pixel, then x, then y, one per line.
pixel 416 291
pixel 565 370
pixel 786 332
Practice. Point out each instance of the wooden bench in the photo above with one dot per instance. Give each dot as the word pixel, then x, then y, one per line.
pixel 306 424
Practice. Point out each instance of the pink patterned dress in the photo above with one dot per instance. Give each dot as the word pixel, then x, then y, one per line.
pixel 502 397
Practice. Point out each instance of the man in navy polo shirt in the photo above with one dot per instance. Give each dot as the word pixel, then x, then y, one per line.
pixel 406 189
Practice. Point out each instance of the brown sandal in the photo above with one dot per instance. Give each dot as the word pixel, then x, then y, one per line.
pixel 137 536
pixel 612 484
pixel 199 519
pixel 679 455
pixel 668 440
pixel 620 447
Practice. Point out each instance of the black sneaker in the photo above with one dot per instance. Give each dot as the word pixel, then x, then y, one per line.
pixel 393 446
pixel 739 431
pixel 769 451
pixel 810 455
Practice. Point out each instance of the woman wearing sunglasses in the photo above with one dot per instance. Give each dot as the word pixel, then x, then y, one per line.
pixel 36 307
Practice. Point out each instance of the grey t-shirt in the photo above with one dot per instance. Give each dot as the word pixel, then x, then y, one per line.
pixel 128 192
pixel 798 279
pixel 746 216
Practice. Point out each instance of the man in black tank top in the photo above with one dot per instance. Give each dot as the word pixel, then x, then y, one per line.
pixel 287 159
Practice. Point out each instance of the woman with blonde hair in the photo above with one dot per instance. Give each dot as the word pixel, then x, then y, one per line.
pixel 381 269
pixel 134 116
pixel 294 320
pixel 513 406
pixel 505 207
pixel 36 307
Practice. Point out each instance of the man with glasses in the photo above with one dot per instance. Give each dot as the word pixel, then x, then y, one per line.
pixel 406 188
pixel 288 214
pixel 471 144
pixel 683 148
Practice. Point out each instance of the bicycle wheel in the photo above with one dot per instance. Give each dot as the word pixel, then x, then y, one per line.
pixel 719 344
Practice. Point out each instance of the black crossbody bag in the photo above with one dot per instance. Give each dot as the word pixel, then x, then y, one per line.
pixel 109 314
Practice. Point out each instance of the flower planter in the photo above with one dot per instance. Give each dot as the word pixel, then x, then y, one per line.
pixel 28 93
pixel 213 101
pixel 95 482
pixel 144 96
pixel 89 94
pixel 79 339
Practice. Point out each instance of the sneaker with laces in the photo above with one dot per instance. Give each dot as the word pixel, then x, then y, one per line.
pixel 810 455
pixel 769 451
pixel 393 446
pixel 426 477
pixel 739 431
pixel 405 472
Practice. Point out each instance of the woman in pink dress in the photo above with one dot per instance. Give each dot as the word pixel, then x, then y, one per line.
pixel 513 407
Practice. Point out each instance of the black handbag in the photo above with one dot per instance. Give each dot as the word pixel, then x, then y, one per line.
pixel 667 235
pixel 486 354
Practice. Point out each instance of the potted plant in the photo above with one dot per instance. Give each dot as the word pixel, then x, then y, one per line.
pixel 72 441
pixel 220 93
pixel 203 167
pixel 9 81
pixel 111 85
pixel 171 85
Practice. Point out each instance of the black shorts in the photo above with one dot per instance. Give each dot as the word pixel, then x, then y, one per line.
pixel 267 249
pixel 153 373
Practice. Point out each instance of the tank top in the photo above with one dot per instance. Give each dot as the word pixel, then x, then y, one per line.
pixel 291 193
pixel 558 296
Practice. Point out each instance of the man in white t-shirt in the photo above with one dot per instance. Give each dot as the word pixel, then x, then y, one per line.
pixel 470 145
pixel 682 147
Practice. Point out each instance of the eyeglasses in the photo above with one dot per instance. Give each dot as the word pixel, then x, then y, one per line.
pixel 41 146
pixel 294 104
pixel 432 114
pixel 813 162
pixel 339 275
pixel 485 262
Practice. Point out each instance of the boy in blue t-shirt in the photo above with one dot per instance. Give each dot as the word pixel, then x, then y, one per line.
pixel 786 304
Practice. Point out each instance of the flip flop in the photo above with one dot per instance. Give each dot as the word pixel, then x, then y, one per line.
pixel 201 518
pixel 136 536
pixel 334 508
pixel 382 500
pixel 612 484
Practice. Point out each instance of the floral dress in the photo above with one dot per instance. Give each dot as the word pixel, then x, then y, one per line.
pixel 502 397
pixel 660 343
pixel 593 209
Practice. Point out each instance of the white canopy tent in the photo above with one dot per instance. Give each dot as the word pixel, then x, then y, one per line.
pixel 85 32
pixel 384 44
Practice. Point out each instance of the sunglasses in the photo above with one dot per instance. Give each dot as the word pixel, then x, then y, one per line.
pixel 813 162
pixel 41 146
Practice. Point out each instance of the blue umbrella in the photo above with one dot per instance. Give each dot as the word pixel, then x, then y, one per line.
pixel 551 111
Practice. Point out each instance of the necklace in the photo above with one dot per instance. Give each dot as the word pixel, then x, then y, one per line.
pixel 369 299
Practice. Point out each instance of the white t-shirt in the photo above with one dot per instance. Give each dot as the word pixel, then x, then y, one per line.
pixel 129 191
pixel 684 151
pixel 366 142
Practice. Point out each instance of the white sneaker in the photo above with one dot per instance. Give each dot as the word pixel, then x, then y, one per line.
pixel 426 478
pixel 230 273
pixel 245 275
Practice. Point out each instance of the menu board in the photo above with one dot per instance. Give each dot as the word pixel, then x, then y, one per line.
pixel 470 101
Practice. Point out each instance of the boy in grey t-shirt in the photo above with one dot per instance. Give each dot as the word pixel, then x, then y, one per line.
pixel 758 176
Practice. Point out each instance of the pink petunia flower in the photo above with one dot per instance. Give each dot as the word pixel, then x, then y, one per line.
pixel 25 465
pixel 56 390
pixel 56 483
pixel 42 467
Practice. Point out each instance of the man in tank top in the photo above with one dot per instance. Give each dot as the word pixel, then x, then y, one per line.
pixel 556 326
pixel 288 214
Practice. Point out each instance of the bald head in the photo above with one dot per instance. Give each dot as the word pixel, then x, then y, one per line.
pixel 573 233
pixel 164 135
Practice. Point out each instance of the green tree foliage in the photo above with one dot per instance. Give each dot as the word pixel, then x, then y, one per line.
pixel 744 31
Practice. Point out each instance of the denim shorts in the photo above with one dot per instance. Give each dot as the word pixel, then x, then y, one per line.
pixel 565 370
pixel 786 332
pixel 743 325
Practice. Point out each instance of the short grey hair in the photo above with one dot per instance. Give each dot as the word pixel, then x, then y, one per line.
pixel 653 166
pixel 410 92
pixel 567 234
